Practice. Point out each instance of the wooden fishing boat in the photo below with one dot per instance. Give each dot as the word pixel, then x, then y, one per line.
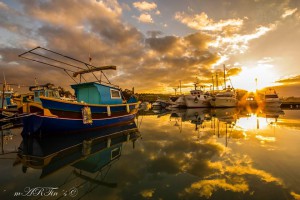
pixel 97 104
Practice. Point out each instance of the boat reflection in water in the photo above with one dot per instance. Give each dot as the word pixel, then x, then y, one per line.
pixel 87 152
pixel 231 154
pixel 185 154
pixel 227 122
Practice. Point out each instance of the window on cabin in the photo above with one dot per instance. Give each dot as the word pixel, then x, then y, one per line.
pixel 42 93
pixel 271 96
pixel 115 153
pixel 56 94
pixel 115 94
pixel 50 94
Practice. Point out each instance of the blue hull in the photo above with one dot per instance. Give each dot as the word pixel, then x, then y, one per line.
pixel 77 107
pixel 36 124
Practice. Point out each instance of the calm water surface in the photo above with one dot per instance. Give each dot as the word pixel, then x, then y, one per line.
pixel 180 154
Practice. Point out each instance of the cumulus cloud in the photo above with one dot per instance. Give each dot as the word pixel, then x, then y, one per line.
pixel 289 12
pixel 145 18
pixel 3 6
pixel 53 12
pixel 229 36
pixel 234 71
pixel 265 60
pixel 290 80
pixel 98 31
pixel 204 23
pixel 145 6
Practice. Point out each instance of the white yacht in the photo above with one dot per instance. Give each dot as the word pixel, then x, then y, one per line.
pixel 179 102
pixel 224 99
pixel 198 99
pixel 271 99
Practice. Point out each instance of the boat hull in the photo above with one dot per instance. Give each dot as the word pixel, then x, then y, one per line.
pixel 196 102
pixel 46 125
pixel 159 105
pixel 272 103
pixel 75 107
pixel 223 102
pixel 57 116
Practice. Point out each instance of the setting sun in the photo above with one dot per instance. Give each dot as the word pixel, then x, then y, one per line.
pixel 264 74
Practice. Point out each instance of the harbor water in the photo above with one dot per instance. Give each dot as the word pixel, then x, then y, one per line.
pixel 164 154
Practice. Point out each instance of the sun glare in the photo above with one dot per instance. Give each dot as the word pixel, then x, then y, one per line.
pixel 258 77
pixel 251 122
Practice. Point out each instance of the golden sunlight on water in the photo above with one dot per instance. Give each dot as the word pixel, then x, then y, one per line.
pixel 181 154
pixel 231 151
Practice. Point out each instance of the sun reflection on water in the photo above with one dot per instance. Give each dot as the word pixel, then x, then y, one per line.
pixel 228 150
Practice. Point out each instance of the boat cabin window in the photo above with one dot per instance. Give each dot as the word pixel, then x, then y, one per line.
pixel 54 94
pixel 224 95
pixel 271 96
pixel 50 93
pixel 39 93
pixel 115 94
pixel 115 153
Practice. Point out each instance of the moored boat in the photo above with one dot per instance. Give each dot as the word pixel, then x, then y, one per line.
pixel 160 104
pixel 271 99
pixel 7 105
pixel 226 98
pixel 179 102
pixel 198 98
pixel 98 104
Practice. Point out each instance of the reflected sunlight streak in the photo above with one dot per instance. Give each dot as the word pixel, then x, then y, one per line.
pixel 251 123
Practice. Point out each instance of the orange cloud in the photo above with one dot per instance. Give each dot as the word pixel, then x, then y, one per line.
pixel 144 6
pixel 288 12
pixel 203 23
pixel 145 18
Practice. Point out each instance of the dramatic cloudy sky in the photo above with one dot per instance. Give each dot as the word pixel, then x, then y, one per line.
pixel 157 44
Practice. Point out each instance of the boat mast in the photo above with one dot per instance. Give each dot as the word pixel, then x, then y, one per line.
pixel 180 86
pixel 217 81
pixel 256 85
pixel 195 86
pixel 213 84
pixel 175 89
pixel 224 76
pixel 3 90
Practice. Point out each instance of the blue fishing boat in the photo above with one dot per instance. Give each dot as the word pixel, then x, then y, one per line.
pixel 97 103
